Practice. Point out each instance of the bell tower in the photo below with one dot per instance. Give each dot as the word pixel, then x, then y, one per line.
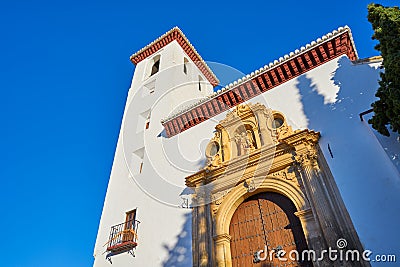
pixel 169 73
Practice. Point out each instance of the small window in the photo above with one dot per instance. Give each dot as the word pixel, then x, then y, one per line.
pixel 141 167
pixel 147 125
pixel 137 160
pixel 143 121
pixel 149 88
pixel 278 122
pixel 185 65
pixel 156 65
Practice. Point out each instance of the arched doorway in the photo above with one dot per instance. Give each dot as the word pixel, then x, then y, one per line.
pixel 266 219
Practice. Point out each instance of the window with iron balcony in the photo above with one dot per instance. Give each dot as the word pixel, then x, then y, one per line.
pixel 123 236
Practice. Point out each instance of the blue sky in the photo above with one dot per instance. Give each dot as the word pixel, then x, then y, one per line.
pixel 64 77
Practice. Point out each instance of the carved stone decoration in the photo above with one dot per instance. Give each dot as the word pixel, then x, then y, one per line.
pixel 255 151
pixel 279 125
pixel 242 109
pixel 283 131
pixel 239 111
pixel 285 174
pixel 244 130
pixel 213 151
pixel 217 199
pixel 245 142
pixel 309 158
pixel 250 185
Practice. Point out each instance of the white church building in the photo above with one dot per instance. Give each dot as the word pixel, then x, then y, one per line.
pixel 277 168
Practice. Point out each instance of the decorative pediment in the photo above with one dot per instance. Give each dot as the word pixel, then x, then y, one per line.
pixel 245 129
pixel 252 139
pixel 255 153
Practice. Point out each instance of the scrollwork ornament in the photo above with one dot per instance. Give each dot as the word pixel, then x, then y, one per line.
pixel 308 159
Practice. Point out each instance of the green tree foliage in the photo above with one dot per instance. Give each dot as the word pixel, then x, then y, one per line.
pixel 386 25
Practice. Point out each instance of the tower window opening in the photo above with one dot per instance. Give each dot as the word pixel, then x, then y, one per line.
pixel 185 67
pixel 156 65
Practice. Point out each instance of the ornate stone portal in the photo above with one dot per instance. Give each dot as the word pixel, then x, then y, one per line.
pixel 255 153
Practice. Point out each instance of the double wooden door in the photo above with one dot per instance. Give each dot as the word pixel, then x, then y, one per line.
pixel 266 222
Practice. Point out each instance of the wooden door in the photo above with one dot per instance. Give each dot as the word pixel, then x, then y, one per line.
pixel 129 227
pixel 265 219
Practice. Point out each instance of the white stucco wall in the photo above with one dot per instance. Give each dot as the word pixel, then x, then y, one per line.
pixel 329 99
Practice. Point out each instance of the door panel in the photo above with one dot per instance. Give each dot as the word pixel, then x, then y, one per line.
pixel 265 219
pixel 129 227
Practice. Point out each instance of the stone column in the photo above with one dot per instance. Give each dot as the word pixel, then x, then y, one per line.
pixel 202 236
pixel 257 136
pixel 223 250
pixel 264 132
pixel 226 145
pixel 317 197
pixel 312 233
pixel 232 147
pixel 195 238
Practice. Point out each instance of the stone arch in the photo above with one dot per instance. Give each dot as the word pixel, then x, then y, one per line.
pixel 236 197
pixel 238 194
pixel 247 124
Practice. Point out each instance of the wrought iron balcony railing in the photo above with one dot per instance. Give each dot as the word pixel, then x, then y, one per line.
pixel 123 237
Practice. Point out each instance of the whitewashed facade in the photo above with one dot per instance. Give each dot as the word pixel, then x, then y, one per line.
pixel 149 167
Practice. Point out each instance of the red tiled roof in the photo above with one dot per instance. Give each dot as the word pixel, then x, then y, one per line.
pixel 176 34
pixel 331 46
